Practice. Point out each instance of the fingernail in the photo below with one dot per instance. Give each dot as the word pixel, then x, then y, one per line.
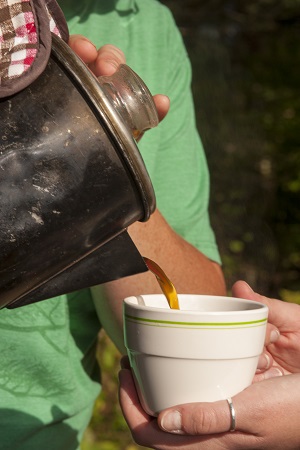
pixel 87 40
pixel 274 372
pixel 274 336
pixel 83 38
pixel 171 422
pixel 112 62
pixel 268 361
pixel 249 287
pixel 278 372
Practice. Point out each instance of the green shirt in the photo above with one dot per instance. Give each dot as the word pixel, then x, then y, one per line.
pixel 48 371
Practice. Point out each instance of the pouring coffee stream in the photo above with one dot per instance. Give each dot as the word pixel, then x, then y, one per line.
pixel 164 282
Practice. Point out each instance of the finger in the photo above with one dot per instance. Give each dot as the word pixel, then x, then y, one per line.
pixel 83 47
pixel 107 61
pixel 162 103
pixel 272 334
pixel 265 361
pixel 242 290
pixel 274 371
pixel 130 405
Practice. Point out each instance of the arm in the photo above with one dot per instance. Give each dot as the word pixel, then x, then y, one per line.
pixel 188 268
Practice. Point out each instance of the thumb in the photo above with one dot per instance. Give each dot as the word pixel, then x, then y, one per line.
pixel 197 418
pixel 242 290
pixel 162 103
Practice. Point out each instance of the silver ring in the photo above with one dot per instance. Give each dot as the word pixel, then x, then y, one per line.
pixel 232 414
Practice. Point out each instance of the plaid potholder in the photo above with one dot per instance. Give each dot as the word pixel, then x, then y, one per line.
pixel 25 40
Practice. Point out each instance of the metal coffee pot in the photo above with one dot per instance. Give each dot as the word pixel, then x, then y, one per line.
pixel 71 179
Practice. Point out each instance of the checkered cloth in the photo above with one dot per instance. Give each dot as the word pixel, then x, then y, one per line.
pixel 25 40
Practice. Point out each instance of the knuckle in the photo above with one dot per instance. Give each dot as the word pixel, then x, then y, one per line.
pixel 111 51
pixel 199 422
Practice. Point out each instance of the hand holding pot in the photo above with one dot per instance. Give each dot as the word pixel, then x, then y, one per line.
pixel 105 61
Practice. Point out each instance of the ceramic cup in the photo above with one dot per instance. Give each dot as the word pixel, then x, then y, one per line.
pixel 206 351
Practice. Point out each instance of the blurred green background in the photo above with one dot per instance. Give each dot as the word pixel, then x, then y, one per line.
pixel 246 65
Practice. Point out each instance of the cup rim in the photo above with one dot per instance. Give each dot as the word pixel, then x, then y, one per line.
pixel 259 307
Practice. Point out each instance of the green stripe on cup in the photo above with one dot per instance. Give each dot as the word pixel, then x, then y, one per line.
pixel 194 324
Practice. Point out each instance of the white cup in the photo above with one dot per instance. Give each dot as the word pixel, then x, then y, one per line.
pixel 206 351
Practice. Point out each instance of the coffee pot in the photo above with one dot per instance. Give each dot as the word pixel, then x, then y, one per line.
pixel 72 179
